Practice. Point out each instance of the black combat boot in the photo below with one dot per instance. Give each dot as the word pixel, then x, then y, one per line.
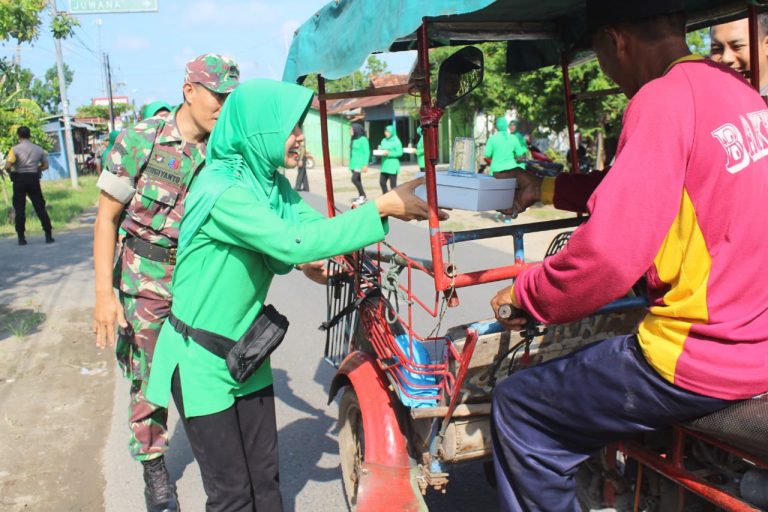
pixel 49 237
pixel 159 493
pixel 22 240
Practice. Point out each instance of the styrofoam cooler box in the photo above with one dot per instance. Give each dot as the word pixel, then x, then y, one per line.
pixel 475 192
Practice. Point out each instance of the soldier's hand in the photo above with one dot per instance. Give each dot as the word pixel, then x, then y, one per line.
pixel 106 313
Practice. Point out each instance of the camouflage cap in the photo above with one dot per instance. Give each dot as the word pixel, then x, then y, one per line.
pixel 216 72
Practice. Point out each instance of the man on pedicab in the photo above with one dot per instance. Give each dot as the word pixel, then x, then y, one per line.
pixel 689 176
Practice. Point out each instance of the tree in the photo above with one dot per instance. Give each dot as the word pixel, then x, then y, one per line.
pixel 15 110
pixel 14 78
pixel 101 111
pixel 359 79
pixel 20 20
pixel 46 92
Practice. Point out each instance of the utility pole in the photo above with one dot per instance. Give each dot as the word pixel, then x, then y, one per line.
pixel 108 72
pixel 101 54
pixel 70 147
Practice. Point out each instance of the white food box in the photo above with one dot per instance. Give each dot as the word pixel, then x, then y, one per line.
pixel 474 192
pixel 378 152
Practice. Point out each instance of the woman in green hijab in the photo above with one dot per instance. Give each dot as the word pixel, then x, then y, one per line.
pixel 504 149
pixel 390 161
pixel 242 225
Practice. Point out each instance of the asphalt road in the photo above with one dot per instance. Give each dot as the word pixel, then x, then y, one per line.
pixel 309 461
pixel 58 280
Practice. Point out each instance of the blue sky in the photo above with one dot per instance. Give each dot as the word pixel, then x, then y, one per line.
pixel 147 51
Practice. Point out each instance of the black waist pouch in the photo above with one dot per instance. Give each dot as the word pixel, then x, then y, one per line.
pixel 245 355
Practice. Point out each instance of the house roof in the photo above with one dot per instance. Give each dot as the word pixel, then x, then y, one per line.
pixel 389 80
pixel 345 105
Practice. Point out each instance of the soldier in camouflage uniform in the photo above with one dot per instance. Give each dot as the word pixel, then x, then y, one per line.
pixel 143 186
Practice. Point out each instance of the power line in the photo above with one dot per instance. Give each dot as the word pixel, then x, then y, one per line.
pixel 85 46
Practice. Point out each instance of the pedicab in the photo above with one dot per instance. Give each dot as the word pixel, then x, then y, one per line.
pixel 415 401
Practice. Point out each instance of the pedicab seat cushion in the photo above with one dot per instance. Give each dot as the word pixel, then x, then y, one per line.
pixel 743 425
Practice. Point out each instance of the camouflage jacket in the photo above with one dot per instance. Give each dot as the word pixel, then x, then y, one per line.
pixel 149 169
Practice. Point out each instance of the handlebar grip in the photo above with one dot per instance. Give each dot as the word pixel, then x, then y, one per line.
pixel 508 312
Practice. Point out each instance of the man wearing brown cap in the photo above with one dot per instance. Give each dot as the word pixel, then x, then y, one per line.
pixel 677 207
pixel 143 186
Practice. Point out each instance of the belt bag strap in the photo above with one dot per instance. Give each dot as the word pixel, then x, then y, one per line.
pixel 216 344
pixel 246 355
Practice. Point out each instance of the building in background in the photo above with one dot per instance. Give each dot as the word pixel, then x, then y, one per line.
pixel 82 138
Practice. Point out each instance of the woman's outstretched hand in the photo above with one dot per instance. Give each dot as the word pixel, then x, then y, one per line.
pixel 403 204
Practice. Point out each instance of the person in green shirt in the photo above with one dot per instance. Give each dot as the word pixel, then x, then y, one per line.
pixel 244 224
pixel 504 149
pixel 390 160
pixel 358 160
pixel 420 150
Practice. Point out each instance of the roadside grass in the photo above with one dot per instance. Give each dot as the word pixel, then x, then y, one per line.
pixel 63 203
pixel 20 322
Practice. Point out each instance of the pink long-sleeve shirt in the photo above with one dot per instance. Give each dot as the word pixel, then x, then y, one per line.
pixel 685 204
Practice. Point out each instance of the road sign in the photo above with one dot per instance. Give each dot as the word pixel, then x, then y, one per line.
pixel 111 6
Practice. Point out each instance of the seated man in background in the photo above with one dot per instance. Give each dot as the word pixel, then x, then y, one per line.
pixel 730 46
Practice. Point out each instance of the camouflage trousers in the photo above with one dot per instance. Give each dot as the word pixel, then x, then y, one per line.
pixel 135 346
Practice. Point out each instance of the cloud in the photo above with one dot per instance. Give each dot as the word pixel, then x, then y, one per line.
pixel 228 14
pixel 132 43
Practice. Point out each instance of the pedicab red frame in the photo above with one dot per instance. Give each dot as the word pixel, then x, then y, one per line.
pixel 386 483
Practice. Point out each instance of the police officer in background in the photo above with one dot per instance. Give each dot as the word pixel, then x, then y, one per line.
pixel 143 186
pixel 26 161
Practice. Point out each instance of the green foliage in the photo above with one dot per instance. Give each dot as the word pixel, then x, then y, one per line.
pixel 101 111
pixel 20 19
pixel 537 96
pixel 13 78
pixel 698 41
pixel 359 79
pixel 15 112
pixel 15 109
pixel 46 92
pixel 63 26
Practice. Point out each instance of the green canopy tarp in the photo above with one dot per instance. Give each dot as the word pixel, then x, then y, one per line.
pixel 337 40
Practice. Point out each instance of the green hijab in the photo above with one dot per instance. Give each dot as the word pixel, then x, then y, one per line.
pixel 246 147
pixel 391 129
pixel 502 125
pixel 153 108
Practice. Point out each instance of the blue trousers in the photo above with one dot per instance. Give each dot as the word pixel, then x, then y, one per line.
pixel 547 419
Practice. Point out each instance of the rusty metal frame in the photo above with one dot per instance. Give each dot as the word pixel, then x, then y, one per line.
pixel 671 465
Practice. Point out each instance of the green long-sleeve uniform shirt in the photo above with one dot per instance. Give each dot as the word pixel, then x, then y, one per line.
pixel 360 154
pixel 221 282
pixel 390 164
pixel 503 149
